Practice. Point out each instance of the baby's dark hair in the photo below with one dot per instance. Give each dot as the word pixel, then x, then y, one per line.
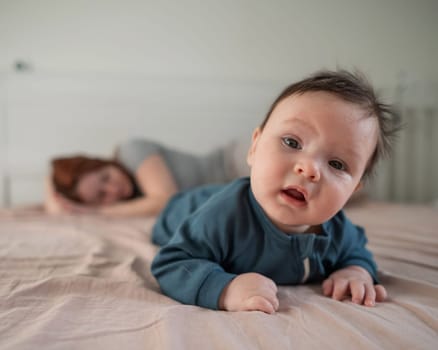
pixel 355 88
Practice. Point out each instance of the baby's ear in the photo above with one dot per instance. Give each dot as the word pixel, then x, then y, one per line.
pixel 255 137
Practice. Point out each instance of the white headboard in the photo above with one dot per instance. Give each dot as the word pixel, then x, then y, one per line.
pixel 43 116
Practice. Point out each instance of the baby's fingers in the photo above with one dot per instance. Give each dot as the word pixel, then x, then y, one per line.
pixel 340 289
pixel 374 293
pixel 370 295
pixel 358 291
pixel 327 287
pixel 258 303
pixel 381 294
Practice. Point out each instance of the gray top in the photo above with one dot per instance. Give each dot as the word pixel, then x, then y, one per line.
pixel 188 170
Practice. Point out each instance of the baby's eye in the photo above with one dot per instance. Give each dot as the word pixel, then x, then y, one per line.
pixel 338 165
pixel 291 142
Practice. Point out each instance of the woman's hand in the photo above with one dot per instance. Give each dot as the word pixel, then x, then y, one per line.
pixel 356 283
pixel 72 207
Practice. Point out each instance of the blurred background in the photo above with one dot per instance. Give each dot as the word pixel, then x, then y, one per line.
pixel 82 76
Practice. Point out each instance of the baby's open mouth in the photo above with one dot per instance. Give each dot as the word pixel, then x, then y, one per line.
pixel 295 194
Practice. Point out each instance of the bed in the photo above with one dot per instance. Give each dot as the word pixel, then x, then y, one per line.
pixel 83 282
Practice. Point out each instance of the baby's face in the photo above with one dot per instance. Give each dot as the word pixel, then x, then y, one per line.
pixel 310 158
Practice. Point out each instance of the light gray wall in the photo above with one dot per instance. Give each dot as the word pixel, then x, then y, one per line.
pixel 236 39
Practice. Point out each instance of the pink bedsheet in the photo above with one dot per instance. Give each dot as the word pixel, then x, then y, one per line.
pixel 84 283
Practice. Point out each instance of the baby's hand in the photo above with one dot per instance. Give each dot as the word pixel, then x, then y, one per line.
pixel 354 282
pixel 250 292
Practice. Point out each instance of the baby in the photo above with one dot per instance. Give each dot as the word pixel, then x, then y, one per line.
pixel 227 247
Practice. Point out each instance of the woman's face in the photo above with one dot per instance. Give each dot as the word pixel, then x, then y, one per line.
pixel 104 186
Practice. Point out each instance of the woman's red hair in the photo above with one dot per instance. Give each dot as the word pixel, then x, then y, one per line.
pixel 67 171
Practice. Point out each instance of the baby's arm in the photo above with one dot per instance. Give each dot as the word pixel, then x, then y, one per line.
pixel 187 267
pixel 354 282
pixel 250 292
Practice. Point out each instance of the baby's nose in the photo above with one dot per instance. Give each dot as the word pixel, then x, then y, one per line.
pixel 308 168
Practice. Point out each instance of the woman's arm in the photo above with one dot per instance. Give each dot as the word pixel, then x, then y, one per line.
pixel 157 184
pixel 51 203
pixel 55 203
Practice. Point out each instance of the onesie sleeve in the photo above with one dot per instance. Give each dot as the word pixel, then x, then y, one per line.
pixel 188 267
pixel 352 249
pixel 133 152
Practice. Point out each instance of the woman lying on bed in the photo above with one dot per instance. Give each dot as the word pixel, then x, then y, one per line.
pixel 139 180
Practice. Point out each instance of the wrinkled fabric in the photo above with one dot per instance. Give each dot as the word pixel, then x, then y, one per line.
pixel 83 282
